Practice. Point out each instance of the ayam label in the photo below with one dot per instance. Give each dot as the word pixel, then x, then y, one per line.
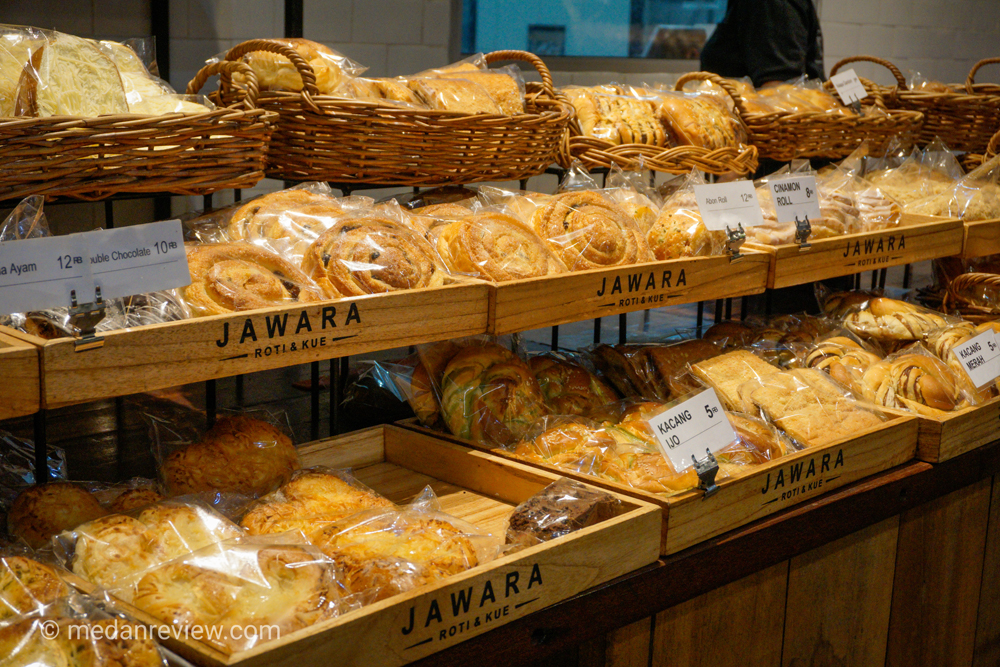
pixel 980 357
pixel 477 606
pixel 279 326
pixel 641 283
pixel 880 247
pixel 801 478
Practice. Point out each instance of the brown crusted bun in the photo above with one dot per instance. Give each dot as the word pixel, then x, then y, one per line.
pixel 494 246
pixel 695 122
pixel 276 72
pixel 421 396
pixel 393 91
pixel 671 362
pixel 132 499
pixel 680 232
pixel 489 394
pixel 26 586
pixel 890 319
pixel 502 88
pixel 371 254
pixel 730 333
pixel 368 549
pixel 588 231
pixel 239 454
pixel 40 512
pixel 569 389
pixel 604 113
pixel 229 277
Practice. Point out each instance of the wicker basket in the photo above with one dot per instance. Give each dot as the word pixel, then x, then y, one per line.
pixel 964 118
pixel 785 135
pixel 320 137
pixel 958 296
pixel 600 153
pixel 973 161
pixel 94 158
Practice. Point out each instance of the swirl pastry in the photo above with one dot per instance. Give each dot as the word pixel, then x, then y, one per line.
pixel 230 277
pixel 27 586
pixel 844 360
pixel 917 382
pixel 569 389
pixel 679 232
pixel 392 552
pixel 239 454
pixel 888 319
pixel 299 216
pixel 588 231
pixel 370 255
pixel 42 511
pixel 489 394
pixel 493 246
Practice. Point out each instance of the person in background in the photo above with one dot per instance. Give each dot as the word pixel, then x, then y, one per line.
pixel 769 41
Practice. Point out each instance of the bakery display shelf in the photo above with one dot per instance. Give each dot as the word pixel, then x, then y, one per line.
pixel 479 488
pixel 19 391
pixel 166 355
pixel 981 238
pixel 916 238
pixel 944 437
pixel 689 518
pixel 538 302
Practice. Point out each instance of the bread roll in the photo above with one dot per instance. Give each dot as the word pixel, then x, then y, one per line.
pixel 40 512
pixel 276 72
pixel 569 389
pixel 26 586
pixel 727 372
pixel 460 95
pixel 588 231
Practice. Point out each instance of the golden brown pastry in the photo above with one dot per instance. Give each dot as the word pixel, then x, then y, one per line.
pixel 727 372
pixel 916 382
pixel 239 454
pixel 502 88
pixel 569 389
pixel 391 552
pixel 888 319
pixel 494 246
pixel 40 512
pixel 78 643
pixel 298 215
pixel 15 50
pixel 489 394
pixel 133 499
pixel 757 443
pixel 312 499
pixel 810 408
pixel 70 76
pixel 461 95
pixel 671 363
pixel 371 254
pixel 691 121
pixel 729 334
pixel 679 232
pixel 844 360
pixel 230 277
pixel 588 231
pixel 393 91
pixel 276 72
pixel 26 586
pixel 289 589
pixel 605 113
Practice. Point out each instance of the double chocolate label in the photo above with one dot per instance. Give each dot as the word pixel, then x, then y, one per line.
pixel 309 329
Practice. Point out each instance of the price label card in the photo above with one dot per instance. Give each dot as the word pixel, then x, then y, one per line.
pixel 795 197
pixel 980 357
pixel 690 428
pixel 728 204
pixel 41 273
pixel 849 86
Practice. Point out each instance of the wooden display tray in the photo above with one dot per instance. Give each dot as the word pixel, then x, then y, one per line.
pixel 981 238
pixel 690 518
pixel 166 355
pixel 20 389
pixel 539 302
pixel 917 238
pixel 945 437
pixel 471 485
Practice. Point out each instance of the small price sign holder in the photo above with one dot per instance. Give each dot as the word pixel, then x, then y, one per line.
pixel 84 270
pixel 697 424
pixel 850 89
pixel 796 199
pixel 729 207
pixel 980 357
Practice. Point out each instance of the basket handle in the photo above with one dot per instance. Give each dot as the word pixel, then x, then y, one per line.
pixel 900 79
pixel 719 81
pixel 971 79
pixel 309 89
pixel 993 147
pixel 225 69
pixel 532 59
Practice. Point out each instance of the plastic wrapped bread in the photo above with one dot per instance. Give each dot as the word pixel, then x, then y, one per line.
pixel 276 72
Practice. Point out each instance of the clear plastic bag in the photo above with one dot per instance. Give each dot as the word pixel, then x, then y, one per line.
pixel 920 174
pixel 522 205
pixel 890 321
pixel 609 113
pixel 276 72
pixel 27 586
pixel 561 508
pixel 145 93
pixel 393 92
pixel 694 119
pixel 808 406
pixel 730 334
pixel 678 230
pixel 844 357
pixel 914 379
pixel 727 372
pixel 569 388
pixel 40 512
pixel 632 191
pixel 373 252
pixel 975 197
pixel 504 85
pixel 16 46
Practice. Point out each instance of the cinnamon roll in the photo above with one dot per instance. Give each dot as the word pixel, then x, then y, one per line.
pixel 230 277
pixel 588 231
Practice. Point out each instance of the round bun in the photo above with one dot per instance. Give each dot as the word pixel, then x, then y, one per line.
pixel 112 549
pixel 42 511
pixel 132 499
pixel 26 586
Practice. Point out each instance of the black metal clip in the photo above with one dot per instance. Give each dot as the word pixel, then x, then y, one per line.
pixel 803 228
pixel 706 469
pixel 84 318
pixel 735 238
